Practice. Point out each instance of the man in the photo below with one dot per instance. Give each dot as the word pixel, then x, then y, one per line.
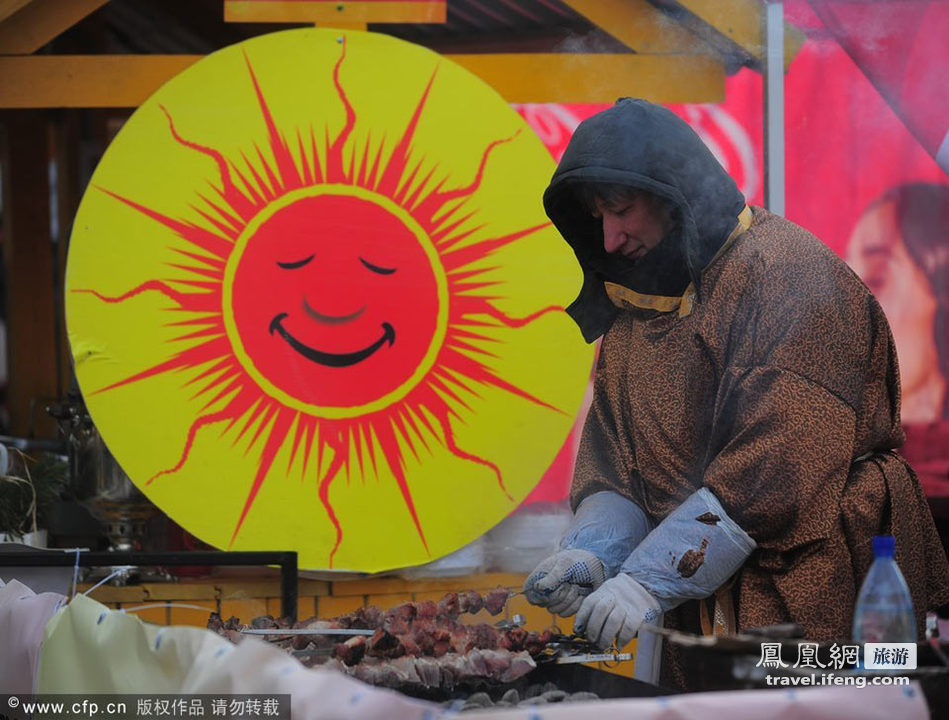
pixel 737 458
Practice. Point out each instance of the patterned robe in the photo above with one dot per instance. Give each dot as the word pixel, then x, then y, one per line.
pixel 780 393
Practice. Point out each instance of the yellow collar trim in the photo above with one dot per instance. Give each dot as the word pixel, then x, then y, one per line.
pixel 624 298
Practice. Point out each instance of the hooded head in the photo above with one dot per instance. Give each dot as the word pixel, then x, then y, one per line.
pixel 646 147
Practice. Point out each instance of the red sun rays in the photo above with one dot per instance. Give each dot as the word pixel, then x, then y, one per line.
pixel 228 392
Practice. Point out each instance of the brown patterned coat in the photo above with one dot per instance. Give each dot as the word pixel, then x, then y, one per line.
pixel 780 393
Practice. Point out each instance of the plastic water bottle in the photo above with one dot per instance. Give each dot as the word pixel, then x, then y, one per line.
pixel 884 611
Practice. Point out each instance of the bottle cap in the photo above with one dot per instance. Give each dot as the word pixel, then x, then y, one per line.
pixel 883 546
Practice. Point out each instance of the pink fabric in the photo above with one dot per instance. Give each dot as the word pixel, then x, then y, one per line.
pixel 927 450
pixel 23 617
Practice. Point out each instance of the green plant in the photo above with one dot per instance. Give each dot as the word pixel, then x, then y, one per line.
pixel 27 494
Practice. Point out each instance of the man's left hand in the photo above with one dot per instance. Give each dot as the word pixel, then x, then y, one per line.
pixel 616 609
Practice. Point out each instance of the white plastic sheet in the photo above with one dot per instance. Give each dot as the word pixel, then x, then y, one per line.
pixel 91 649
pixel 23 618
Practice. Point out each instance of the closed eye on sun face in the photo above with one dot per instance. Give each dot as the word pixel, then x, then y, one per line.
pixel 377 268
pixel 294 264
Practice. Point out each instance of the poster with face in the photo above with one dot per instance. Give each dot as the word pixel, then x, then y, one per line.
pixel 314 302
pixel 900 248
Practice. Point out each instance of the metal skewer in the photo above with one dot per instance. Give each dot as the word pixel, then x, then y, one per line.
pixel 593 657
pixel 516 621
pixel 307 631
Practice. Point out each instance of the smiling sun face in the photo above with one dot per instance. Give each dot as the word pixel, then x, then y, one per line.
pixel 339 301
pixel 324 315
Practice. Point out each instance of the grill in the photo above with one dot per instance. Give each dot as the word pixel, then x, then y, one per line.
pixel 571 678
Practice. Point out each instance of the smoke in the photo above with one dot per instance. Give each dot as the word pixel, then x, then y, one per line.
pixel 872 21
pixel 589 42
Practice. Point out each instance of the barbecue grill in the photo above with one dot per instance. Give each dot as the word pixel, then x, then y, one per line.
pixel 571 678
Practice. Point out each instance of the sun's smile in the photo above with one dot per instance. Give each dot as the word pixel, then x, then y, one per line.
pixel 327 358
pixel 335 299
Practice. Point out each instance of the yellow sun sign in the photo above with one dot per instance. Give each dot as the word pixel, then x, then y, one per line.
pixel 314 302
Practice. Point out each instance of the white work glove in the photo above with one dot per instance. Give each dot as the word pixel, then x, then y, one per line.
pixel 616 610
pixel 561 581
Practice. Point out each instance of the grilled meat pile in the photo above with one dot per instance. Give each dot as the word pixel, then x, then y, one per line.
pixel 446 671
pixel 416 643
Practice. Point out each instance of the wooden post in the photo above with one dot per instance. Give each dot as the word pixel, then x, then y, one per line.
pixel 28 282
pixel 65 152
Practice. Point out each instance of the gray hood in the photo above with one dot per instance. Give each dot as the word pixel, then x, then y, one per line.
pixel 644 146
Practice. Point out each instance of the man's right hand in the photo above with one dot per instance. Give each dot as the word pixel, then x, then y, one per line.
pixel 561 581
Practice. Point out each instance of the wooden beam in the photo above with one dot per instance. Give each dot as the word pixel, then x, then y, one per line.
pixel 34 25
pixel 47 81
pixel 127 80
pixel 599 77
pixel 640 26
pixel 328 12
pixel 738 20
pixel 8 7
pixel 741 22
pixel 29 260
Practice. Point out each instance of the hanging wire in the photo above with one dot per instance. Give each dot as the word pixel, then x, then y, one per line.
pixel 119 569
pixel 75 574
